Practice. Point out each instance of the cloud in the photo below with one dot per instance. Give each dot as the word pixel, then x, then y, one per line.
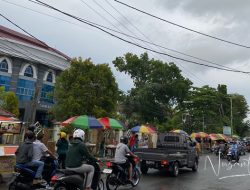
pixel 227 19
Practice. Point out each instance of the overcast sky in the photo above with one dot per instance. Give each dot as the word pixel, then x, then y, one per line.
pixel 227 19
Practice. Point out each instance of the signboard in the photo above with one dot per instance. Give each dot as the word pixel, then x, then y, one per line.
pixel 10 127
pixel 226 130
pixel 7 164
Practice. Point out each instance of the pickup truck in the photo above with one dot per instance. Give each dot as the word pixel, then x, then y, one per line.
pixel 173 151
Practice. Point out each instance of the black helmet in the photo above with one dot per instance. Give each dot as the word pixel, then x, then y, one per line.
pixel 124 140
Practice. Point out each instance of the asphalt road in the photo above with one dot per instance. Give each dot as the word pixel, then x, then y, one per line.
pixel 229 177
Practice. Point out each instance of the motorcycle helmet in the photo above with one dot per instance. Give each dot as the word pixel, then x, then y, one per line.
pixel 63 135
pixel 78 133
pixel 124 140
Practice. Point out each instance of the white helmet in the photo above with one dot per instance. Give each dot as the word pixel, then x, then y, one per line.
pixel 78 133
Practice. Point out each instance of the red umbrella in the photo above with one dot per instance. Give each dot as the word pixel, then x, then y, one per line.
pixel 110 123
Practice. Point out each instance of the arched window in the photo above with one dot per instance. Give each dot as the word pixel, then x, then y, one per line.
pixel 4 66
pixel 28 71
pixel 49 77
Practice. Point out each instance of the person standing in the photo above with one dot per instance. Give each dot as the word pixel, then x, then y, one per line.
pixel 102 148
pixel 62 148
pixel 132 142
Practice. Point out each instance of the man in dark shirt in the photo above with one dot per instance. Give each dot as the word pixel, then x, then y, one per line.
pixel 24 153
pixel 77 157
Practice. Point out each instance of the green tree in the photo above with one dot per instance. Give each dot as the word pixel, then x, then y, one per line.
pixel 9 101
pixel 158 87
pixel 210 109
pixel 85 88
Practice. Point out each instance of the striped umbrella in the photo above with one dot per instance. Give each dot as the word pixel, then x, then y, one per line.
pixel 142 129
pixel 199 135
pixel 110 123
pixel 215 137
pixel 83 122
pixel 179 131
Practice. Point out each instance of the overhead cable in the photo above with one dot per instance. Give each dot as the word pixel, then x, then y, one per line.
pixel 183 27
pixel 119 32
pixel 135 44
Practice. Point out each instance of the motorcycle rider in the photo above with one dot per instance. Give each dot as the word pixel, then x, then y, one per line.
pixel 77 157
pixel 24 155
pixel 120 155
pixel 235 149
pixel 39 150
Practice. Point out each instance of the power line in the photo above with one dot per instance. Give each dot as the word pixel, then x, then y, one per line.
pixel 183 27
pixel 135 44
pixel 151 42
pixel 119 32
pixel 25 31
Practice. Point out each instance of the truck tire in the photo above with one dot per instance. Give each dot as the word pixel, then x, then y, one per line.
pixel 144 167
pixel 175 169
pixel 195 167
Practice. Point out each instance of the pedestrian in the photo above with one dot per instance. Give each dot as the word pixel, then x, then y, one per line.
pixel 62 148
pixel 136 141
pixel 132 142
pixel 102 148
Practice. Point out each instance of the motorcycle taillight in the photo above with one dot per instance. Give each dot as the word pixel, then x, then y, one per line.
pixel 109 164
pixel 136 159
pixel 54 179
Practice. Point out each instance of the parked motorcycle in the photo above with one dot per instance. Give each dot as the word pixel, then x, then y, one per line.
pixel 66 179
pixel 118 176
pixel 233 155
pixel 23 179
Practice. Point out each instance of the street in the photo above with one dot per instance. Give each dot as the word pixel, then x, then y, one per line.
pixel 205 179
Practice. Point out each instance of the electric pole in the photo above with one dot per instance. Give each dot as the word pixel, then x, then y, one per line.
pixel 231 102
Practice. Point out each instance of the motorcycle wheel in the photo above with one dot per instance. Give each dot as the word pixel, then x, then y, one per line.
pixel 12 186
pixel 60 187
pixel 111 182
pixel 136 177
pixel 229 158
pixel 100 185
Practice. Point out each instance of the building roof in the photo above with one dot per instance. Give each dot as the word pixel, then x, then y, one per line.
pixel 17 36
pixel 6 113
pixel 15 44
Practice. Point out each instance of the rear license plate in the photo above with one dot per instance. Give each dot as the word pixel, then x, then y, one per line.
pixel 150 162
pixel 107 171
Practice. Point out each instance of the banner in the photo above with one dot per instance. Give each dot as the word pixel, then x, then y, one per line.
pixel 10 127
pixel 227 130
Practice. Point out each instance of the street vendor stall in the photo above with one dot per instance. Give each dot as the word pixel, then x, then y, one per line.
pixel 10 129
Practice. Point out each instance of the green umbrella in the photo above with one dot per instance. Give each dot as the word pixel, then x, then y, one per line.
pixel 110 123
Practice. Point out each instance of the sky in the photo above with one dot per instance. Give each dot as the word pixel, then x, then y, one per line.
pixel 226 19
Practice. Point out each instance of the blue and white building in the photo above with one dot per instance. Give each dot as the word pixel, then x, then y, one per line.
pixel 29 68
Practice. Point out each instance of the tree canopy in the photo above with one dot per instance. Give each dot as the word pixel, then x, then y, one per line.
pixel 85 88
pixel 158 87
pixel 9 101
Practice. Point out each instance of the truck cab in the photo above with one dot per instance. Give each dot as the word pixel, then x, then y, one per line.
pixel 173 151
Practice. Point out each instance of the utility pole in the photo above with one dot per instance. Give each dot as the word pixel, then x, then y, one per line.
pixel 231 102
pixel 203 122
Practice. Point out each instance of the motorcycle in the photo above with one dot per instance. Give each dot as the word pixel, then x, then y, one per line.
pixel 233 155
pixel 24 175
pixel 118 176
pixel 66 179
